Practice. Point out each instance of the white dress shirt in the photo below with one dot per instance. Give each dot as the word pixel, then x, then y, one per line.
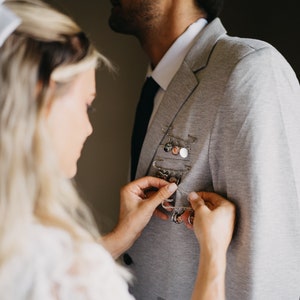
pixel 172 60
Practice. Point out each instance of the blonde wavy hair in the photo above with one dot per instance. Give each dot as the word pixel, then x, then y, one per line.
pixel 47 45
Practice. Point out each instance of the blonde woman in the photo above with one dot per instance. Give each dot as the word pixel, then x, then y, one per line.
pixel 50 247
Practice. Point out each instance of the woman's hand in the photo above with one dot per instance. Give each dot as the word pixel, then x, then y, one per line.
pixel 214 219
pixel 138 201
pixel 213 224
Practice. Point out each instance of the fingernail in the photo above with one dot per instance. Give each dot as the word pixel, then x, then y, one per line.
pixel 172 187
pixel 193 196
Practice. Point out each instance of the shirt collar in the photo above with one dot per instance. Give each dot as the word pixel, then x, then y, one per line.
pixel 172 60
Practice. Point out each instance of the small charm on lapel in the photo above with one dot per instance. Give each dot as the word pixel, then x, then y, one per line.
pixel 168 147
pixel 184 152
pixel 163 174
pixel 175 150
pixel 174 179
pixel 170 175
pixel 178 146
pixel 176 217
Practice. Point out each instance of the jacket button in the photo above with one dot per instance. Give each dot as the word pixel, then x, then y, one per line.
pixel 127 259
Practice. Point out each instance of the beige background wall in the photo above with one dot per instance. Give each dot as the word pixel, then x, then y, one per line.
pixel 104 164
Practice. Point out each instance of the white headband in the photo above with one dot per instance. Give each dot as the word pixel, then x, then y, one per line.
pixel 8 22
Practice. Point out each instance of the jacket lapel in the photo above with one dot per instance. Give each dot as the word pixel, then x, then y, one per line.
pixel 178 93
pixel 198 57
pixel 167 111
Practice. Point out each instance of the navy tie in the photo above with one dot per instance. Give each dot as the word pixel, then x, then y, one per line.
pixel 142 117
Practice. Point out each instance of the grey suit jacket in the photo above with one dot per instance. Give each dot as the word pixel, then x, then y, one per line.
pixel 235 105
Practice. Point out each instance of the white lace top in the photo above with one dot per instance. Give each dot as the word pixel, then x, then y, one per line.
pixel 52 267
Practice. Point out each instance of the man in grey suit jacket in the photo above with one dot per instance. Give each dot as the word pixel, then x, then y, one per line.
pixel 232 106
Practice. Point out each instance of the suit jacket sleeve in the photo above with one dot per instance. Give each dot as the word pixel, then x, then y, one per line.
pixel 254 158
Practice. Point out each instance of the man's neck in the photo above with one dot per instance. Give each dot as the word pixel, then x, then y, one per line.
pixel 157 40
